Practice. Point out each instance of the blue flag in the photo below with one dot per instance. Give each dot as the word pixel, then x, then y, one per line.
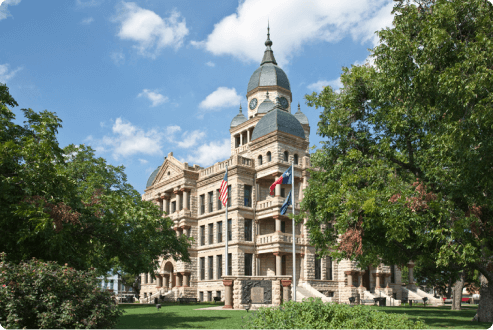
pixel 287 202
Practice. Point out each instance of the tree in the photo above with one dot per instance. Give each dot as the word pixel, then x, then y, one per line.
pixel 67 205
pixel 406 170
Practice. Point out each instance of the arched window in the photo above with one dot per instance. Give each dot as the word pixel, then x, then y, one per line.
pixel 260 159
pixel 295 159
pixel 269 157
pixel 286 156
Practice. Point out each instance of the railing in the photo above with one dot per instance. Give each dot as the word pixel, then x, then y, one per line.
pixel 278 237
pixel 241 148
pixel 221 166
pixel 261 205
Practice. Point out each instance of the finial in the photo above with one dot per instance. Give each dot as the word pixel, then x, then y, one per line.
pixel 268 42
pixel 267 96
pixel 299 110
pixel 240 108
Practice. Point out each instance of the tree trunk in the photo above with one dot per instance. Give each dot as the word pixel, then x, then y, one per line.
pixel 485 309
pixel 457 290
pixel 449 289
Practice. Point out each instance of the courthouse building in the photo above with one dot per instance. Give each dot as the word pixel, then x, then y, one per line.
pixel 265 138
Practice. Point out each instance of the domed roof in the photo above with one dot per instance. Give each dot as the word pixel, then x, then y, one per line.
pixel 266 105
pixel 301 116
pixel 152 177
pixel 268 74
pixel 238 119
pixel 278 120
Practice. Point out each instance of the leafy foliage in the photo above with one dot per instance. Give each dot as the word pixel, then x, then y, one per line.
pixel 314 314
pixel 35 295
pixel 406 170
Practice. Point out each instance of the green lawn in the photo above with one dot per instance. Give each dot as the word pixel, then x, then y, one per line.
pixel 172 316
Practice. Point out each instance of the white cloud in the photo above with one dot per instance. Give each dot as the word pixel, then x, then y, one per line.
pixel 209 153
pixel 151 32
pixel 318 86
pixel 211 64
pixel 87 21
pixel 88 3
pixel 154 97
pixel 295 23
pixel 4 13
pixel 143 161
pixel 127 140
pixel 190 140
pixel 118 58
pixel 220 98
pixel 7 74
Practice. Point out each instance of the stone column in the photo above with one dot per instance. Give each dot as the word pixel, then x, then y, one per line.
pixel 278 222
pixel 349 278
pixel 248 136
pixel 411 274
pixel 185 230
pixel 167 199
pixel 228 294
pixel 176 191
pixel 361 279
pixel 286 290
pixel 161 204
pixel 278 263
pixel 186 281
pixel 387 280
pixel 277 189
pixel 377 281
pixel 166 281
pixel 178 280
pixel 241 138
pixel 185 199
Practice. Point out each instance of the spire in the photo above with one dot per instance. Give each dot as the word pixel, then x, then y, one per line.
pixel 240 109
pixel 268 54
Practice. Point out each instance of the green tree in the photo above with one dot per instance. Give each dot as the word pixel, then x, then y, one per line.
pixel 69 206
pixel 406 171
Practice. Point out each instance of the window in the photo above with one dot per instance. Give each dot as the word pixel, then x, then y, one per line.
pixel 318 267
pixel 230 261
pixel 201 296
pixel 247 195
pixel 173 207
pixel 329 269
pixel 237 142
pixel 248 230
pixel 219 265
pixel 283 264
pixel 269 156
pixel 219 231
pixel 211 267
pixel 209 295
pixel 211 233
pixel 392 274
pixel 283 192
pixel 260 160
pixel 202 268
pixel 219 203
pixel 248 264
pixel 202 235
pixel 230 234
pixel 218 294
pixel 283 226
pixel 202 204
pixel 229 195
pixel 211 201
pixel 295 159
pixel 286 156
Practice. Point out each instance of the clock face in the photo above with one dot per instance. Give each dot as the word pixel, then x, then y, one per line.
pixel 253 104
pixel 284 102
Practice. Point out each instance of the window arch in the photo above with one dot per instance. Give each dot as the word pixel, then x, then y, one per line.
pixel 269 156
pixel 260 159
pixel 295 159
pixel 286 156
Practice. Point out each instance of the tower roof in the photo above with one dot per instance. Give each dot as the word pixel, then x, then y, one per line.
pixel 266 105
pixel 238 119
pixel 278 120
pixel 301 116
pixel 152 177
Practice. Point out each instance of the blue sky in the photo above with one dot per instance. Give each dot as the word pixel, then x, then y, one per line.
pixel 136 80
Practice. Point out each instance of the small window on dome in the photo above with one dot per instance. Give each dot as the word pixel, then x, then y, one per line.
pixel 269 156
pixel 286 156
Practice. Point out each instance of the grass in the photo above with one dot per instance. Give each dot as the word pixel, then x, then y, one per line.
pixel 172 316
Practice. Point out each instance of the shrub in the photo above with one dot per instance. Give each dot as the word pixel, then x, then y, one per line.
pixel 37 294
pixel 314 314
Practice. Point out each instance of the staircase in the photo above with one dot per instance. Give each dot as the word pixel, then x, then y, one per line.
pixel 305 290
pixel 157 294
pixel 418 294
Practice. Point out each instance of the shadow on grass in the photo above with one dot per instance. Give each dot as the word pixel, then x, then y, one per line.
pixel 164 320
pixel 441 317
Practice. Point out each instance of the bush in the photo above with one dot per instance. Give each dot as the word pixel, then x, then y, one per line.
pixel 36 294
pixel 314 314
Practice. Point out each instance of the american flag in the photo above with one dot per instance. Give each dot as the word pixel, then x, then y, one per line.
pixel 223 191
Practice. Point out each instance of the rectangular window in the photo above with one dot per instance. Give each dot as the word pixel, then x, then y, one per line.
pixel 209 295
pixel 230 261
pixel 283 192
pixel 211 201
pixel 202 235
pixel 230 234
pixel 283 265
pixel 211 267
pixel 247 195
pixel 248 230
pixel 173 207
pixel 329 268
pixel 219 203
pixel 248 264
pixel 318 268
pixel 219 265
pixel 218 294
pixel 211 233
pixel 201 296
pixel 202 204
pixel 202 268
pixel 283 226
pixel 219 231
pixel 229 196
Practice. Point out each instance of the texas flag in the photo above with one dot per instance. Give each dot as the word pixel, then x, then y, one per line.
pixel 285 178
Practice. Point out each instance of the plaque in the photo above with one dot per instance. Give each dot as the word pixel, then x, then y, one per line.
pixel 257 295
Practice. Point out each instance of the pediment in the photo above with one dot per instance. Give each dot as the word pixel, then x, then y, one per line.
pixel 171 167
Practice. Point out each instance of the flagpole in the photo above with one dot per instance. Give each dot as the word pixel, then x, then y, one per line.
pixel 227 237
pixel 294 232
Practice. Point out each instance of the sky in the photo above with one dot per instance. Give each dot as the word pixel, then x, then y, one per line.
pixel 136 80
